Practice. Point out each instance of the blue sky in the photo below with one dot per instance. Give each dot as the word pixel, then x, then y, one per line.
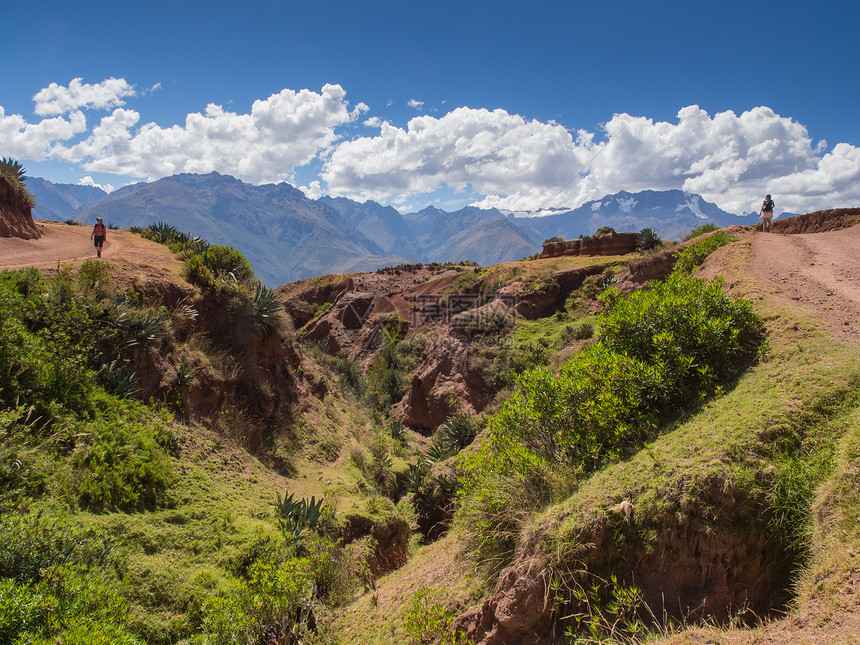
pixel 521 105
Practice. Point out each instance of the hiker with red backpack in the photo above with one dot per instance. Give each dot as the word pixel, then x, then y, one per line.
pixel 766 213
pixel 98 235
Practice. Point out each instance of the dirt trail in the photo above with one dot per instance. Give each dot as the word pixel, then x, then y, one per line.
pixel 66 244
pixel 820 271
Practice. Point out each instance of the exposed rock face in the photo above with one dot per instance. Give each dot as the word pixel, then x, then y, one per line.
pixel 534 304
pixel 390 541
pixel 349 314
pixel 301 306
pixel 449 326
pixel 16 217
pixel 445 382
pixel 817 222
pixel 519 612
pixel 653 267
pixel 691 568
pixel 612 244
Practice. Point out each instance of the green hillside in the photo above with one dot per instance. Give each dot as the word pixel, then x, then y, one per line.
pixel 178 464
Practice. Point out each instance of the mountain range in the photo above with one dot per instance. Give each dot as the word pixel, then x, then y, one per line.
pixel 288 236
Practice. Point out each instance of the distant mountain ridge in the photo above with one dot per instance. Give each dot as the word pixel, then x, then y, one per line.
pixel 61 201
pixel 287 236
pixel 672 213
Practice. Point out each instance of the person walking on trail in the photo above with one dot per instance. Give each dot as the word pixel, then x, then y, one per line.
pixel 98 236
pixel 766 213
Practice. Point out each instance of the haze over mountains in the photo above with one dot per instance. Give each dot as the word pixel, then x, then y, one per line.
pixel 287 236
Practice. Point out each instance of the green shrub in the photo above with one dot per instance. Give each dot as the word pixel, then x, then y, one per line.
pixel 688 328
pixel 272 602
pixel 52 587
pixel 198 273
pixel 426 619
pixel 702 229
pixel 37 370
pixel 320 308
pixel 387 378
pixel 227 260
pixel 32 541
pixel 690 257
pixel 121 459
pixel 68 605
pixel 205 264
pixel 349 374
pixel 477 324
pixel 657 353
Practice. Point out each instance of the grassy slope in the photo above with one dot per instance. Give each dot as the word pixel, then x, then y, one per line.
pixel 800 398
pixel 172 558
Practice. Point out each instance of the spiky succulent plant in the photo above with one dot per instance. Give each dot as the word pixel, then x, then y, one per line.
pixel 12 169
pixel 647 239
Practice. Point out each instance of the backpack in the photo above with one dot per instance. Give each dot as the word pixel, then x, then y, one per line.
pixel 768 205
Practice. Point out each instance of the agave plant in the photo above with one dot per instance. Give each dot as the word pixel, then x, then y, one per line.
pixel 118 380
pixel 447 486
pixel 161 232
pixel 194 245
pixel 152 327
pixel 267 308
pixel 397 431
pixel 584 331
pixel 184 376
pixel 13 170
pixel 296 516
pixel 458 431
pixel 439 450
pixel 415 477
pixel 647 239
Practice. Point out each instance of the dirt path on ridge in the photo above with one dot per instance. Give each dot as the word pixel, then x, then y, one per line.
pixel 64 243
pixel 820 271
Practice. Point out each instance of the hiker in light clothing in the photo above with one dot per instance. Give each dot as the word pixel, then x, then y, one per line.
pixel 766 213
pixel 98 235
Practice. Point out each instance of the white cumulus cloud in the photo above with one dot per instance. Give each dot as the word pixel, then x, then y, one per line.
pixel 493 151
pixel 24 140
pixel 313 190
pixel 89 181
pixel 730 159
pixel 505 159
pixel 59 99
pixel 286 130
